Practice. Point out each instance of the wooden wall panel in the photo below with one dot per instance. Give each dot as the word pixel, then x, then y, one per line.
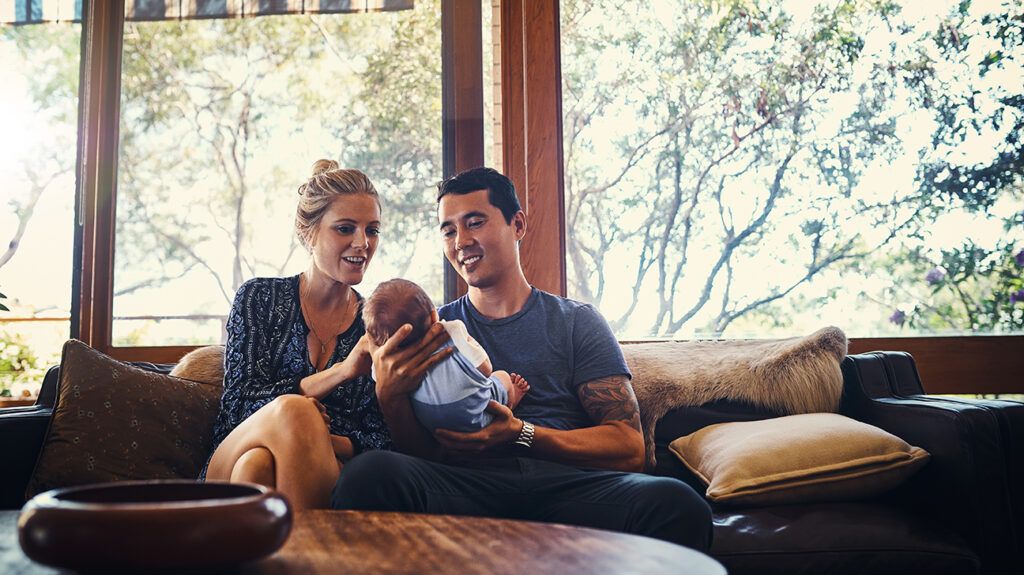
pixel 532 133
pixel 963 364
pixel 100 91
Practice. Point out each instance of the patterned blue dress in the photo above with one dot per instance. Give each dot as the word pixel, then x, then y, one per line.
pixel 266 356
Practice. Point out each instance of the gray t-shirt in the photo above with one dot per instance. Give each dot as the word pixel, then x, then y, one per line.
pixel 553 342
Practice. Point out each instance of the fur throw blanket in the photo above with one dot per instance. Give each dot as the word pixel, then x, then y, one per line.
pixel 788 376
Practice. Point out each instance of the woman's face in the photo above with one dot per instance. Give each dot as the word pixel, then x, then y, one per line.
pixel 346 238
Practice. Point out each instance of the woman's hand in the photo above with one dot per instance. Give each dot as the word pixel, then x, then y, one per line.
pixel 343 448
pixel 357 363
pixel 400 370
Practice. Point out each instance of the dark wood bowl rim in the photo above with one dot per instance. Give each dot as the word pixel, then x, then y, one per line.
pixel 59 498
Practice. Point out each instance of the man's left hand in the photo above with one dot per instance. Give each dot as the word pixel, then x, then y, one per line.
pixel 504 429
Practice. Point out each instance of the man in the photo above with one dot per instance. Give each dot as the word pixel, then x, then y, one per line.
pixel 570 451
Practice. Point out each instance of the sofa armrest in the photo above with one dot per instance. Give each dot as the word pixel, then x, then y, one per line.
pixel 966 486
pixel 22 430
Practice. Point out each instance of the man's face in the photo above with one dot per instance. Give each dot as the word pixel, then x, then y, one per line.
pixel 478 242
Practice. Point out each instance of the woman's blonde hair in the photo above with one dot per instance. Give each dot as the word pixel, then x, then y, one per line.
pixel 327 183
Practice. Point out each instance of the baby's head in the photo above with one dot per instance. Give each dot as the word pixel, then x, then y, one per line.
pixel 395 303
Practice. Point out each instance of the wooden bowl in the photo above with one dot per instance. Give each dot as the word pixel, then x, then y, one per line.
pixel 153 525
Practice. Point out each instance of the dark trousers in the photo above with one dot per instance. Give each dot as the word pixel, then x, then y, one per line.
pixel 528 489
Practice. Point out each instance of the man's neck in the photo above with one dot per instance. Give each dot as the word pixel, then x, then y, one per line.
pixel 503 300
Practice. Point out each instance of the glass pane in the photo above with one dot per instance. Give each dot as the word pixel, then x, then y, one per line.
pixel 39 65
pixel 491 46
pixel 221 122
pixel 762 169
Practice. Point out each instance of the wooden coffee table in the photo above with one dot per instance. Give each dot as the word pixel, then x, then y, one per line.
pixel 356 542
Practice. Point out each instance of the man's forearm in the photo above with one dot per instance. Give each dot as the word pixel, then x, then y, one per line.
pixel 611 445
pixel 407 434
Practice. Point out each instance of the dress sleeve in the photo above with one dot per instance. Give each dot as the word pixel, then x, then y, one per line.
pixel 249 362
pixel 372 434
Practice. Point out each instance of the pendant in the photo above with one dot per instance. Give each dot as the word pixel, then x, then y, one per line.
pixel 323 348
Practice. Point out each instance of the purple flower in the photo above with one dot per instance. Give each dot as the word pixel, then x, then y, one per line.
pixel 1017 296
pixel 898 317
pixel 935 275
pixel 1020 258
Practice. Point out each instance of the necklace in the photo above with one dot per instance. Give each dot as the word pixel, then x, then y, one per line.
pixel 309 321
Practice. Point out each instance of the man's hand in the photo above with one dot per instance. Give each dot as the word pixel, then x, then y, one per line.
pixel 400 371
pixel 503 430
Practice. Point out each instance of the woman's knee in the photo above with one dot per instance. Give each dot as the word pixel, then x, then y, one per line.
pixel 295 413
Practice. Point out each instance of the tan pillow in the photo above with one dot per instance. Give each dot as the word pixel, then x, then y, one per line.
pixel 205 365
pixel 114 421
pixel 797 459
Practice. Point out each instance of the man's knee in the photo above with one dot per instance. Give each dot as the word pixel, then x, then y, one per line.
pixel 372 480
pixel 673 511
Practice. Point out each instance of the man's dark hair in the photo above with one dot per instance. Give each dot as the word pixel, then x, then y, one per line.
pixel 500 191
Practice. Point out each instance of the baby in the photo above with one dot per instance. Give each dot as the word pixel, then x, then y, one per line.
pixel 456 391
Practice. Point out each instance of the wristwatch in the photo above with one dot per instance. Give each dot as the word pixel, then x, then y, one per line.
pixel 525 438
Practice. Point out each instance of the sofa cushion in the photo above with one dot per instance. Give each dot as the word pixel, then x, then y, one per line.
pixel 115 421
pixel 797 459
pixel 838 539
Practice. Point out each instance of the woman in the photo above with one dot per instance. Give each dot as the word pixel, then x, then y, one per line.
pixel 297 397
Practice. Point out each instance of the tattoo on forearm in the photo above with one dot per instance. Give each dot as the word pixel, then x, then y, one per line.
pixel 610 399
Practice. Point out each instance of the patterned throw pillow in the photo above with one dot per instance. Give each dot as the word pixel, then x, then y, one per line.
pixel 115 422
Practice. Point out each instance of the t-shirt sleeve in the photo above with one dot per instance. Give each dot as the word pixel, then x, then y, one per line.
pixel 596 352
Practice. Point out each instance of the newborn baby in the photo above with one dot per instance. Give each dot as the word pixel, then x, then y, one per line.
pixel 455 392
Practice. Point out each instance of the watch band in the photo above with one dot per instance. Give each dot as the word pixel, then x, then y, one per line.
pixel 525 438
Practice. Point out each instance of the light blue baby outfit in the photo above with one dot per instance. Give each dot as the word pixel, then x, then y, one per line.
pixel 454 395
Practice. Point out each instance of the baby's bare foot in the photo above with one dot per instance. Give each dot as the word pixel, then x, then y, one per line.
pixel 517 390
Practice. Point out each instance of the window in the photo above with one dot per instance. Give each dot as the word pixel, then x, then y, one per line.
pixel 220 122
pixel 741 170
pixel 38 112
pixel 198 122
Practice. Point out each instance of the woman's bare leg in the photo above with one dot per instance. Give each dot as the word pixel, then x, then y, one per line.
pixel 292 429
pixel 255 466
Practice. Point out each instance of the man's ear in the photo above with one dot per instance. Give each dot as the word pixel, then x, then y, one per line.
pixel 433 316
pixel 519 224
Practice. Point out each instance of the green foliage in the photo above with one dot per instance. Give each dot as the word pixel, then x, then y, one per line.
pixel 20 366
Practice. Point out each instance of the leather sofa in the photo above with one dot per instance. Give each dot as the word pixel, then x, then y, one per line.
pixel 961 514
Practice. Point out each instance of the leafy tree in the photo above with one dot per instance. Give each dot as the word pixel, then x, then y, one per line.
pixel 201 177
pixel 741 135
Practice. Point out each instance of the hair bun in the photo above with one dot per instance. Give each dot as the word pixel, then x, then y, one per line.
pixel 321 166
